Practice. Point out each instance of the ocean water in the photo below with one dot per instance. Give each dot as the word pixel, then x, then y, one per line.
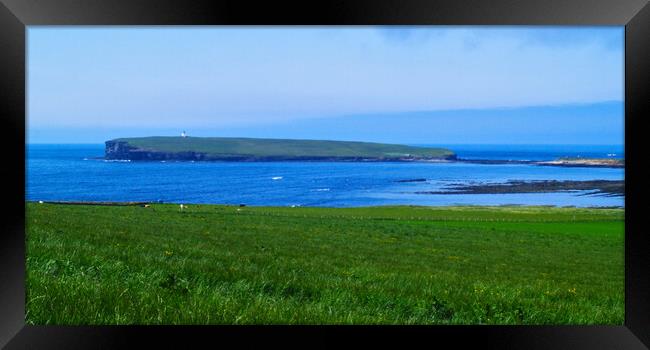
pixel 72 173
pixel 535 152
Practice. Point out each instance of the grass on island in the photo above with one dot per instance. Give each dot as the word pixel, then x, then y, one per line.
pixel 219 146
pixel 209 264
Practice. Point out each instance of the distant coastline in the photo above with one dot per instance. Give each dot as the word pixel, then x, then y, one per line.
pixel 274 150
pixel 573 162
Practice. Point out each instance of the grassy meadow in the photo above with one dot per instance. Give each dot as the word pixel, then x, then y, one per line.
pixel 212 264
pixel 238 146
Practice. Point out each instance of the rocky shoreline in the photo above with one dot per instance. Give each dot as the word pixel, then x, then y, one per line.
pixel 599 187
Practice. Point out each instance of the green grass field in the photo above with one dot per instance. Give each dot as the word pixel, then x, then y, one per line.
pixel 221 146
pixel 214 264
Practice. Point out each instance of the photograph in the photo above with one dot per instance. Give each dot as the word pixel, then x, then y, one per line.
pixel 325 175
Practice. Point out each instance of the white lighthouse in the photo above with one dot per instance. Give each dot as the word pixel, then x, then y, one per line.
pixel 183 134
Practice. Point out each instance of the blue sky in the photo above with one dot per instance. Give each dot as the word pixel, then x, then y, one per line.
pixel 437 85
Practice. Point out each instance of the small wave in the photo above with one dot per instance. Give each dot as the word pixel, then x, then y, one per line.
pixel 322 190
pixel 276 178
pixel 117 160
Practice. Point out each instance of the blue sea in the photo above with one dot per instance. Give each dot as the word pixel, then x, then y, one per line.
pixel 74 173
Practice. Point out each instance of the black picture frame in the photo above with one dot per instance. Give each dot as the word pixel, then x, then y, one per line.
pixel 15 15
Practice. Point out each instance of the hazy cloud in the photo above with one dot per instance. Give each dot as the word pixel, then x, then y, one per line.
pixel 224 76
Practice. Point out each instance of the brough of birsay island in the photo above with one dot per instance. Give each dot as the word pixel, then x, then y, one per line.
pixel 325 175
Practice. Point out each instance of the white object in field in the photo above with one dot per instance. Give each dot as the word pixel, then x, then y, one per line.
pixel 182 207
pixel 40 202
pixel 183 134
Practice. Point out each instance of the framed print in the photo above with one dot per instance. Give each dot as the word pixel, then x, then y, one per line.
pixel 464 171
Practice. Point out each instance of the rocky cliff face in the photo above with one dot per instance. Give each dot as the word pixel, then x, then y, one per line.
pixel 122 150
pixel 117 150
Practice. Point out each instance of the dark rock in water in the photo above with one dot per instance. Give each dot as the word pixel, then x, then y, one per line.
pixel 600 187
pixel 242 205
pixel 412 180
